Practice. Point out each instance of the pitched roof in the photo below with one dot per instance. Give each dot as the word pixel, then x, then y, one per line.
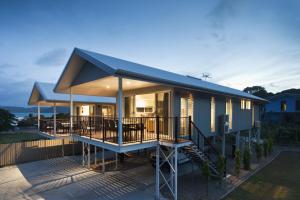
pixel 44 92
pixel 119 67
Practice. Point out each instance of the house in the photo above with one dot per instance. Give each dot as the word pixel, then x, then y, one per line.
pixel 84 106
pixel 158 108
pixel 283 107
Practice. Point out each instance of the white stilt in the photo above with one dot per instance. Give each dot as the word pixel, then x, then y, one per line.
pixel 83 154
pixel 157 189
pixel 54 119
pixel 89 156
pixel 237 141
pixel 223 144
pixel 95 153
pixel 39 117
pixel 120 111
pixel 116 160
pixel 103 160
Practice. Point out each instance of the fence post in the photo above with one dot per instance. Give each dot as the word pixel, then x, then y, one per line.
pixel 63 150
pixel 176 129
pixel 190 128
pixel 157 128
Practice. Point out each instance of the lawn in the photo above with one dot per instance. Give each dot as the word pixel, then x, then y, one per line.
pixel 19 137
pixel 279 180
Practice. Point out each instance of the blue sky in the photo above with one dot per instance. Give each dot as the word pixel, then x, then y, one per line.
pixel 240 43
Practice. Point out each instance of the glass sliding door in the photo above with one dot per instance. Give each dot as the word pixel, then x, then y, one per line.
pixel 186 110
pixel 163 110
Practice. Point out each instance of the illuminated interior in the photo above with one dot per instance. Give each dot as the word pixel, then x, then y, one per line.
pixel 85 110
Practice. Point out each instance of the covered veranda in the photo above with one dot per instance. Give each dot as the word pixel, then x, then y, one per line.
pixel 42 95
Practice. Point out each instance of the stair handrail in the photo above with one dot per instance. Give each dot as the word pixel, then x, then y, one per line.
pixel 206 140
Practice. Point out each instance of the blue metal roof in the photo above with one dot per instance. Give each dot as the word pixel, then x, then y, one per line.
pixel 47 94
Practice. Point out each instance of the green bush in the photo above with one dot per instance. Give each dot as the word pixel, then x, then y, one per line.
pixel 237 166
pixel 258 150
pixel 205 169
pixel 270 145
pixel 266 147
pixel 221 166
pixel 247 158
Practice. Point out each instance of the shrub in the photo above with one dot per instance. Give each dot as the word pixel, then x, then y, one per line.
pixel 270 145
pixel 221 166
pixel 265 148
pixel 237 162
pixel 247 158
pixel 258 150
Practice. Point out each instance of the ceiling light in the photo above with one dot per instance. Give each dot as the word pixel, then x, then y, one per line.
pixel 107 87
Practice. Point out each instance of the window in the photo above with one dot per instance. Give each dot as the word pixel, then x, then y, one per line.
pixel 283 106
pixel 297 105
pixel 243 104
pixel 85 110
pixel 213 115
pixel 248 105
pixel 229 112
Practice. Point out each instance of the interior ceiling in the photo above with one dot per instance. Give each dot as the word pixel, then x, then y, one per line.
pixel 108 86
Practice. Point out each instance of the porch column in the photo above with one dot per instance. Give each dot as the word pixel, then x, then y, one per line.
pixel 39 117
pixel 71 111
pixel 120 111
pixel 249 140
pixel 237 141
pixel 54 119
pixel 176 172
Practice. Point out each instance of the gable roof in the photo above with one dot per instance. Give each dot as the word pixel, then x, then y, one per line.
pixel 44 92
pixel 118 67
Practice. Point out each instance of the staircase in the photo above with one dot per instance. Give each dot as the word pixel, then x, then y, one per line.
pixel 198 155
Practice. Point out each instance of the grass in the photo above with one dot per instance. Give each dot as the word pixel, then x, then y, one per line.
pixel 279 180
pixel 6 138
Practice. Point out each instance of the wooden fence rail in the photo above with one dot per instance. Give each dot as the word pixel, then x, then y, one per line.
pixel 21 152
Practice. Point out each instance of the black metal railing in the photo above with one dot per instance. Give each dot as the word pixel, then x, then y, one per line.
pixel 211 150
pixel 62 126
pixel 134 129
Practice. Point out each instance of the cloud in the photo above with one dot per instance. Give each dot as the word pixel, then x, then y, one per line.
pixel 54 58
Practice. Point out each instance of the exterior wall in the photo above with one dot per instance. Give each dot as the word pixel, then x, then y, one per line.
pixel 202 112
pixel 275 104
pixel 256 112
pixel 220 110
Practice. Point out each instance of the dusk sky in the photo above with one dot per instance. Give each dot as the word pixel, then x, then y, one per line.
pixel 240 43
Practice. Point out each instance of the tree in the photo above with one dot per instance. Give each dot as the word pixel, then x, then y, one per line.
pixel 247 158
pixel 237 166
pixel 258 149
pixel 7 120
pixel 206 173
pixel 257 91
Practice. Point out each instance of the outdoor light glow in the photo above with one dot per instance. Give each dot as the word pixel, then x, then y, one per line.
pixel 128 82
pixel 107 87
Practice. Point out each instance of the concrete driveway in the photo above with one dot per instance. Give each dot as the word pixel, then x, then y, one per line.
pixel 65 178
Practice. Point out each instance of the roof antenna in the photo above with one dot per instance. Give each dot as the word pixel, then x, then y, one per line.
pixel 206 75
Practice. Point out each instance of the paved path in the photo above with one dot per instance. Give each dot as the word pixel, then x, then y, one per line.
pixel 65 178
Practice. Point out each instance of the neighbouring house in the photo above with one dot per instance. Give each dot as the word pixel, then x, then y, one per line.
pixel 83 107
pixel 283 108
pixel 156 108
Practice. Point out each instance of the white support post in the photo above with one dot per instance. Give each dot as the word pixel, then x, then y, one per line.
pixel 95 153
pixel 157 189
pixel 39 117
pixel 71 111
pixel 116 155
pixel 83 154
pixel 223 144
pixel 54 119
pixel 103 160
pixel 176 172
pixel 120 111
pixel 249 140
pixel 237 141
pixel 89 156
